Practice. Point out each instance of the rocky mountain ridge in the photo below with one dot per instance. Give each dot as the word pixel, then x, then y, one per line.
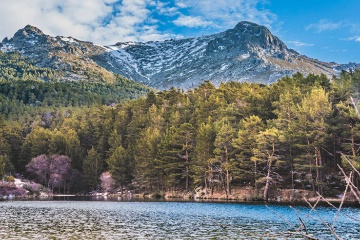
pixel 66 54
pixel 248 52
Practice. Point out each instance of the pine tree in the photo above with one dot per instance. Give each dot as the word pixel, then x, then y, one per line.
pixel 312 115
pixel 148 170
pixel 119 166
pixel 268 151
pixel 73 149
pixel 244 165
pixel 224 154
pixel 203 153
pixel 92 168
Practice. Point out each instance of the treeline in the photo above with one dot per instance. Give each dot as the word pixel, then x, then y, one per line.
pixel 290 134
pixel 16 94
pixel 27 91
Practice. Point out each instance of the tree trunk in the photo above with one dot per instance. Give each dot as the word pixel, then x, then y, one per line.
pixel 292 177
pixel 211 184
pixel 318 163
pixel 227 173
pixel 227 183
pixel 205 182
pixel 187 171
pixel 255 176
pixel 266 189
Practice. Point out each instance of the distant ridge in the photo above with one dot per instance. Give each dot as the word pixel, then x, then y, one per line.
pixel 248 52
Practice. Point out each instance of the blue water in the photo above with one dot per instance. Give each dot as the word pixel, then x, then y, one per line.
pixel 168 220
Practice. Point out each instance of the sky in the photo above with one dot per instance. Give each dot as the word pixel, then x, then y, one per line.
pixel 328 30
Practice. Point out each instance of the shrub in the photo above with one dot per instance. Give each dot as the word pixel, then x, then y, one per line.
pixel 9 179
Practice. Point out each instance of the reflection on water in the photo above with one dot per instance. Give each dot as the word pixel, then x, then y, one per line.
pixel 162 220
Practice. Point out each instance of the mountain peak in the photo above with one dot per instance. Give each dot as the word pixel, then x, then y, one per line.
pixel 255 34
pixel 250 27
pixel 28 31
pixel 247 52
pixel 243 24
pixel 30 28
pixel 248 37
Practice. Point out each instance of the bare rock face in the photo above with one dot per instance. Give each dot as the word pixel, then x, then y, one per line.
pixel 248 52
pixel 66 54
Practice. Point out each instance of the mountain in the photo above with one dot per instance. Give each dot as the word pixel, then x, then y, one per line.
pixel 248 52
pixel 73 58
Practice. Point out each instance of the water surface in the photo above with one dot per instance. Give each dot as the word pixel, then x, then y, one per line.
pixel 166 220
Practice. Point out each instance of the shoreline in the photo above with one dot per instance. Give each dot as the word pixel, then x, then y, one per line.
pixel 147 198
pixel 238 195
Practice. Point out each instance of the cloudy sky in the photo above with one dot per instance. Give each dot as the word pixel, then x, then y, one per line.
pixel 328 30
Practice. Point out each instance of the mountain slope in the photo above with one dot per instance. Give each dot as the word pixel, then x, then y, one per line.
pixel 69 56
pixel 248 52
pixel 24 86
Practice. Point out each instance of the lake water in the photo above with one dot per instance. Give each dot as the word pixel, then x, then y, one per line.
pixel 166 220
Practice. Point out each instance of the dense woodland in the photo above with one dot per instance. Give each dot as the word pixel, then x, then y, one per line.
pixel 23 87
pixel 290 134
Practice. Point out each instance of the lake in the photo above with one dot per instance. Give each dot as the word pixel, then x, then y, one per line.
pixel 166 220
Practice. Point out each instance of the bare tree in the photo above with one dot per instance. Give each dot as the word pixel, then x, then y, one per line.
pixel 50 171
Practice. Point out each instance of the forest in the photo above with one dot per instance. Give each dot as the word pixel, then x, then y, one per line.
pixel 291 134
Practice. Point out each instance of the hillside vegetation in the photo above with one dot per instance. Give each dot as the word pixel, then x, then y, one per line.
pixel 290 134
pixel 25 88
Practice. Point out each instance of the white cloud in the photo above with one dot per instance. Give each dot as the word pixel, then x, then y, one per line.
pixel 169 11
pixel 100 21
pixel 189 21
pixel 227 13
pixel 111 21
pixel 300 44
pixel 165 9
pixel 181 4
pixel 325 25
pixel 355 38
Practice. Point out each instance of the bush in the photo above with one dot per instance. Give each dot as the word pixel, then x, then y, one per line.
pixel 9 179
pixel 33 188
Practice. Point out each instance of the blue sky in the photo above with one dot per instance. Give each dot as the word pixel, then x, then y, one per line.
pixel 325 30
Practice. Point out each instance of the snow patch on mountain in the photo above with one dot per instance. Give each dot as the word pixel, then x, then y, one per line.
pixel 248 52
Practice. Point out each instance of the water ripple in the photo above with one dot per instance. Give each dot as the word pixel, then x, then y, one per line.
pixel 161 220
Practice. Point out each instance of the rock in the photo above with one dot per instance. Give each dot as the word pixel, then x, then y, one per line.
pixel 248 52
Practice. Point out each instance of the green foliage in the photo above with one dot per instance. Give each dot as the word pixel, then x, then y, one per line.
pixel 14 67
pixel 92 168
pixel 224 154
pixel 244 165
pixel 33 93
pixel 118 166
pixel 204 152
pixel 208 137
pixel 9 179
pixel 26 89
pixel 2 167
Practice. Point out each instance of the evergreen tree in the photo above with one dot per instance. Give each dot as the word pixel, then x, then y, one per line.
pixel 119 166
pixel 244 165
pixel 185 137
pixel 92 168
pixel 312 115
pixel 203 154
pixel 148 168
pixel 2 167
pixel 268 151
pixel 73 149
pixel 287 118
pixel 224 154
